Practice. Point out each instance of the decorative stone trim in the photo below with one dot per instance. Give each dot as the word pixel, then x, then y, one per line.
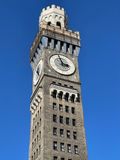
pixel 64 93
pixel 35 102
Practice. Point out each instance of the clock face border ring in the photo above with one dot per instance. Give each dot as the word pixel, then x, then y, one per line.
pixel 54 66
pixel 36 77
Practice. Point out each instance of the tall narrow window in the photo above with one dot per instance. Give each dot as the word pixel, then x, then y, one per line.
pixel 66 96
pixel 61 119
pixel 72 98
pixel 68 134
pixel 55 145
pixel 60 107
pixel 54 93
pixel 60 94
pixel 54 118
pixel 54 131
pixel 78 98
pixel 73 110
pixel 69 148
pixel 76 149
pixel 62 147
pixel 67 109
pixel 73 122
pixel 67 121
pixel 61 132
pixel 75 135
pixel 54 106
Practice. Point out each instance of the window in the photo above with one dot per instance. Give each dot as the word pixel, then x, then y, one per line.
pixel 49 23
pixel 72 98
pixel 55 145
pixel 62 158
pixel 60 94
pixel 76 149
pixel 69 159
pixel 68 134
pixel 54 118
pixel 67 109
pixel 69 148
pixel 54 131
pixel 61 119
pixel 74 135
pixel 60 107
pixel 61 132
pixel 58 24
pixel 73 110
pixel 67 121
pixel 66 96
pixel 54 106
pixel 78 98
pixel 73 122
pixel 54 93
pixel 55 158
pixel 62 147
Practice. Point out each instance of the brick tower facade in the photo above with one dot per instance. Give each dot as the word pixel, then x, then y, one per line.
pixel 57 125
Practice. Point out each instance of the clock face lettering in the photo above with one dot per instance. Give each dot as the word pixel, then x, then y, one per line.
pixel 62 64
pixel 37 72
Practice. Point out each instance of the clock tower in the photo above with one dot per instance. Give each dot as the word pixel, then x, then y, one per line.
pixel 57 125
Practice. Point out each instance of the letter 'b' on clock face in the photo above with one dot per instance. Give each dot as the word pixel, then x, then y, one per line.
pixel 62 64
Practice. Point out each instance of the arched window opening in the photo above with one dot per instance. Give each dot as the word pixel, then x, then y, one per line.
pixel 72 98
pixel 60 94
pixel 78 98
pixel 54 93
pixel 66 96
pixel 58 24
pixel 49 23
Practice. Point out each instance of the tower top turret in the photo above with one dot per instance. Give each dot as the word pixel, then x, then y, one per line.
pixel 54 16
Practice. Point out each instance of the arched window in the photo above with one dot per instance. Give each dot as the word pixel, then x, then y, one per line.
pixel 54 93
pixel 49 23
pixel 78 98
pixel 60 94
pixel 66 96
pixel 58 24
pixel 72 98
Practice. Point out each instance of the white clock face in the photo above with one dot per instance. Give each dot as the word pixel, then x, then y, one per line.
pixel 62 64
pixel 37 72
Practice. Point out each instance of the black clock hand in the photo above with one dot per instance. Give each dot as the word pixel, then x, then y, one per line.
pixel 60 60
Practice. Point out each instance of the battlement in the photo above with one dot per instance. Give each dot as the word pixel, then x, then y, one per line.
pixel 52 7
pixel 53 15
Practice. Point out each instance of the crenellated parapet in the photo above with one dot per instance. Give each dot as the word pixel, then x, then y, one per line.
pixel 65 41
pixel 53 15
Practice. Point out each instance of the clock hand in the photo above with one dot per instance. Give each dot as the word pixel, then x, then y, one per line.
pixel 60 60
pixel 63 64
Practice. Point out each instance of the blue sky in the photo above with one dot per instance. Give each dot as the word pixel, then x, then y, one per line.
pixel 99 64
